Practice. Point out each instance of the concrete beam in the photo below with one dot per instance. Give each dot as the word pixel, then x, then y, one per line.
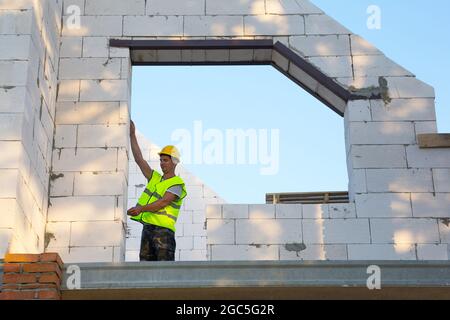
pixel 434 140
pixel 251 279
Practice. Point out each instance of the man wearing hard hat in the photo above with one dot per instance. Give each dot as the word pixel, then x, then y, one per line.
pixel 158 207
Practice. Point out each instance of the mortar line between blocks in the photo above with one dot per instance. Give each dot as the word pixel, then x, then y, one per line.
pixel 70 236
pixel 234 230
pixel 346 250
pixel 432 183
pixel 76 138
pixel 73 184
pixel 304 25
pixel 301 228
pixel 410 205
pixel 183 34
pixel 415 250
pixel 79 90
pixel 351 55
pixel 365 181
pixel 123 25
pixel 439 232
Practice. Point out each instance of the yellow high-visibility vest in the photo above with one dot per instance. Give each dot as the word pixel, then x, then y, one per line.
pixel 155 190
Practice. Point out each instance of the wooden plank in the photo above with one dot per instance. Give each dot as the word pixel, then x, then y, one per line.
pixel 434 140
pixel 308 197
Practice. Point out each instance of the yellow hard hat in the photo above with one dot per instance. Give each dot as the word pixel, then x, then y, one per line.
pixel 170 151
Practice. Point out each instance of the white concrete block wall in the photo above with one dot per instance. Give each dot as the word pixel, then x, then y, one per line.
pixel 399 180
pixel 326 232
pixel 278 232
pixel 90 68
pixel 104 7
pixel 441 179
pixel 404 202
pixel 29 35
pixel 191 237
pixel 383 160
pixel 403 110
pixel 382 252
pixel 11 119
pixel 90 174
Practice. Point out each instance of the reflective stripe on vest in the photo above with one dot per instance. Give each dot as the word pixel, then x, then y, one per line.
pixel 154 191
pixel 172 204
pixel 166 214
pixel 148 192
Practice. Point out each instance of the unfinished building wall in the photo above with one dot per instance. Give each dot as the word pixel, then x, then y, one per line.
pixel 29 58
pixel 88 194
pixel 326 232
pixel 399 192
pixel 401 187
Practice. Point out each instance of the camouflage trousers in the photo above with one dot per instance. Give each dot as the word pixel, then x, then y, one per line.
pixel 157 244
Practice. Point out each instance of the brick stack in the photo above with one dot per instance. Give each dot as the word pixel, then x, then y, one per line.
pixel 32 277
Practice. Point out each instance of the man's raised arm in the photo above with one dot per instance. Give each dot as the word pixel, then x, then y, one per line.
pixel 137 154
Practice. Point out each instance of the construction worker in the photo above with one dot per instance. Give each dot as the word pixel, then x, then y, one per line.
pixel 158 207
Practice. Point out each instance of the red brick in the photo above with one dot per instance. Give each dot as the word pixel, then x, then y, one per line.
pixel 52 257
pixel 12 267
pixel 50 278
pixel 11 287
pixel 29 286
pixel 42 267
pixel 18 295
pixel 9 257
pixel 19 278
pixel 39 286
pixel 49 295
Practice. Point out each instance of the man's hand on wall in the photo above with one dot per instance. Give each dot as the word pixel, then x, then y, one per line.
pixel 132 128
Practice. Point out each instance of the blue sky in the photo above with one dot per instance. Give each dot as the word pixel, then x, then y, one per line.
pixel 311 136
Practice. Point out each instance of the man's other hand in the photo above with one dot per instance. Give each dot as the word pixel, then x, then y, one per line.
pixel 134 211
pixel 132 128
